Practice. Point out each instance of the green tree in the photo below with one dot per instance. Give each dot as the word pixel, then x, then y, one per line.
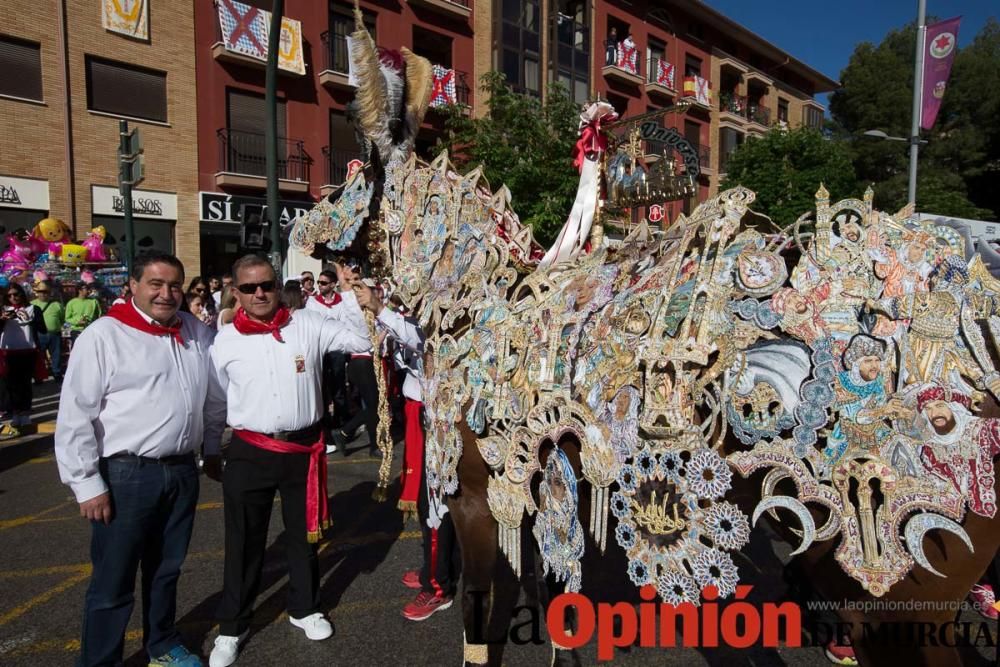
pixel 524 144
pixel 962 156
pixel 785 168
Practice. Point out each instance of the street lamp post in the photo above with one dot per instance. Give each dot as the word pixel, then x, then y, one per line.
pixel 918 72
pixel 918 85
pixel 271 132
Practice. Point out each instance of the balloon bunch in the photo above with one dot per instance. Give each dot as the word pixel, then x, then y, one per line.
pixel 50 241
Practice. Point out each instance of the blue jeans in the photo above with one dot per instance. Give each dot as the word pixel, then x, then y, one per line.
pixel 52 343
pixel 154 506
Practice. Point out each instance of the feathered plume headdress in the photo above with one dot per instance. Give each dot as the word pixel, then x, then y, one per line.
pixel 383 79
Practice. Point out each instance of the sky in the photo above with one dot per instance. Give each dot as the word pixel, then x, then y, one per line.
pixel 823 34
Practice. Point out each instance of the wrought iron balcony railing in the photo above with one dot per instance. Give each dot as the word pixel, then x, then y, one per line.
pixel 759 114
pixel 733 103
pixel 243 153
pixel 336 160
pixel 335 57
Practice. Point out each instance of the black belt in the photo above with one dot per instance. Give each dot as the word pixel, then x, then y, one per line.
pixel 173 460
pixel 308 434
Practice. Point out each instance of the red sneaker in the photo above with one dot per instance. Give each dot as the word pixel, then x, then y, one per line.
pixel 840 655
pixel 982 598
pixel 426 605
pixel 411 579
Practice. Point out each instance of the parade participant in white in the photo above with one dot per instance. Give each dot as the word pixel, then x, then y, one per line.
pixel 138 399
pixel 269 363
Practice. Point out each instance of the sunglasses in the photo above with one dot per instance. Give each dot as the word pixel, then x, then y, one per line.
pixel 324 282
pixel 251 288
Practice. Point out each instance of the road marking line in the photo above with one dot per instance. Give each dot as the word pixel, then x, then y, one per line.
pixel 79 568
pixel 42 598
pixel 20 521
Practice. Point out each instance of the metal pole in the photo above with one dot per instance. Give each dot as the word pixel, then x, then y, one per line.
pixel 125 174
pixel 918 85
pixel 271 133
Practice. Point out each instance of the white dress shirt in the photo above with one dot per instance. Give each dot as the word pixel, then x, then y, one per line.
pixel 409 353
pixel 276 386
pixel 129 391
pixel 334 311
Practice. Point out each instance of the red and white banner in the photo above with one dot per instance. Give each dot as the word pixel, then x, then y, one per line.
pixel 245 31
pixel 940 44
pixel 628 57
pixel 665 73
pixel 698 88
pixel 443 87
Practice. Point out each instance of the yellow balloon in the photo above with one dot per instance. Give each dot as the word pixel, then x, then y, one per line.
pixel 73 254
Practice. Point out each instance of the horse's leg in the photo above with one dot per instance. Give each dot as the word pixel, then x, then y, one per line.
pixel 488 597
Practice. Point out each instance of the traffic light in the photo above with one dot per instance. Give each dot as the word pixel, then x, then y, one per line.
pixel 253 227
pixel 131 165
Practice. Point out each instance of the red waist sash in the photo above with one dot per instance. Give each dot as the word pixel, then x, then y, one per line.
pixel 317 511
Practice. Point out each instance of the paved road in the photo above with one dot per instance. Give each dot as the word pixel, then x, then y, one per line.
pixel 44 571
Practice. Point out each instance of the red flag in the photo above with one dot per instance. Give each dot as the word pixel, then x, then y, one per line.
pixel 940 44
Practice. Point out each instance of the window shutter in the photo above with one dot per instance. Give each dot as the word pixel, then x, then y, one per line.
pixel 126 90
pixel 21 67
pixel 248 113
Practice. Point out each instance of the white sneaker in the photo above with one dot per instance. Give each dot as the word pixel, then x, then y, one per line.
pixel 226 649
pixel 331 448
pixel 315 625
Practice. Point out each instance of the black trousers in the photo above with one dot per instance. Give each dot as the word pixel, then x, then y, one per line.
pixel 442 564
pixel 249 481
pixel 335 387
pixel 20 375
pixel 361 373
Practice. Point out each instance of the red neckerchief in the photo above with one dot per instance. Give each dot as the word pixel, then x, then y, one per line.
pixel 329 304
pixel 247 326
pixel 128 314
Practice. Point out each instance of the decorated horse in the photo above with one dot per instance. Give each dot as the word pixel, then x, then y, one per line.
pixel 642 407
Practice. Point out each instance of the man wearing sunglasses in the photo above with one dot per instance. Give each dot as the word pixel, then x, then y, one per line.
pixel 269 363
pixel 327 302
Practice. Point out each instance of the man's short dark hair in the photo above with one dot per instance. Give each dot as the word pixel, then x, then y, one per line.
pixel 327 273
pixel 247 261
pixel 140 263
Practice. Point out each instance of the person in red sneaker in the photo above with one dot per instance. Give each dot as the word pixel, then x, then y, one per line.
pixel 982 598
pixel 437 578
pixel 840 654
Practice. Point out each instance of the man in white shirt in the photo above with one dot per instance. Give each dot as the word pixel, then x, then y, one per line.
pixel 125 443
pixel 269 363
pixel 327 302
pixel 437 578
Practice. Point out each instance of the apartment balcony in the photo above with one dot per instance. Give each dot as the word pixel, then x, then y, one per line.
pixel 242 162
pixel 336 160
pixel 223 54
pixel 698 92
pixel 661 78
pixel 456 9
pixel 733 108
pixel 336 63
pixel 450 88
pixel 624 71
pixel 759 117
pixel 655 151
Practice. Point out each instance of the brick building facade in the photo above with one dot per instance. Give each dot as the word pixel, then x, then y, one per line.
pixel 59 139
pixel 316 139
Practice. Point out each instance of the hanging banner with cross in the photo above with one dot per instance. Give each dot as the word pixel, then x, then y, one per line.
pixel 443 90
pixel 245 31
pixel 126 17
pixel 665 73
pixel 698 88
pixel 628 57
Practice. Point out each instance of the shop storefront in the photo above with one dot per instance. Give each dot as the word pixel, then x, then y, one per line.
pixel 23 202
pixel 220 227
pixel 154 218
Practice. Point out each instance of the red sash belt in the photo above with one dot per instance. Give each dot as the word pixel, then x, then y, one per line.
pixel 413 455
pixel 317 511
